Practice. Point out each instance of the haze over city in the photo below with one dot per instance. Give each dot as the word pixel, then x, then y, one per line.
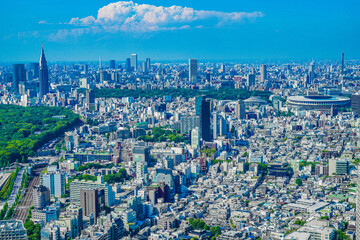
pixel 178 29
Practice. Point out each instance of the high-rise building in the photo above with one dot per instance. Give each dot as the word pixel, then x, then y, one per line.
pixel 240 110
pixel 34 68
pixel 205 120
pixel 19 75
pixel 342 63
pixel 355 104
pixel 263 73
pixel 276 101
pixel 44 75
pixel 195 138
pixel 55 182
pixel 41 196
pixel 148 64
pixel 90 99
pixel 134 61
pixel 312 71
pixel 192 69
pixel 141 170
pixel 250 80
pixel 198 100
pixel 76 185
pixel 128 64
pixel 112 64
pixel 89 202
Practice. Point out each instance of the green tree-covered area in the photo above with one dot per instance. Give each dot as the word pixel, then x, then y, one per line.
pixel 94 165
pixel 158 134
pixel 220 94
pixel 25 129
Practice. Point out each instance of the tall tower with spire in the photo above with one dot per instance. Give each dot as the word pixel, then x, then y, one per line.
pixel 44 74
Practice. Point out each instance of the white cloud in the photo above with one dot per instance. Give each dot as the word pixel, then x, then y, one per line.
pixel 127 16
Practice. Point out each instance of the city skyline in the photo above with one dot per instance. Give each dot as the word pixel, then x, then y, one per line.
pixel 178 30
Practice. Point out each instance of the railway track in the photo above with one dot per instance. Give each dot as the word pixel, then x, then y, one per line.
pixel 22 210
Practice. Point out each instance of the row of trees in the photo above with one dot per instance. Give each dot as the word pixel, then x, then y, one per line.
pixel 8 186
pixel 220 94
pixel 25 130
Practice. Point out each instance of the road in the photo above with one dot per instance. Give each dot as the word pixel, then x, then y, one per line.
pixel 22 210
pixel 16 187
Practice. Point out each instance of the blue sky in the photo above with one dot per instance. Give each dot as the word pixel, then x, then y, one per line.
pixel 83 30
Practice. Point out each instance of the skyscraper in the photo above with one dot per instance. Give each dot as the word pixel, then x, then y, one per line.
pixel 195 138
pixel 355 104
pixel 55 182
pixel 250 80
pixel 90 99
pixel 192 69
pixel 89 202
pixel 342 63
pixel 19 75
pixel 44 75
pixel 240 110
pixel 205 120
pixel 263 73
pixel 312 71
pixel 34 67
pixel 134 62
pixel 198 100
pixel 112 64
pixel 148 64
pixel 128 64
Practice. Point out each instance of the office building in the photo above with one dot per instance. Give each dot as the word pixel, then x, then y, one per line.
pixel 205 120
pixel 355 104
pixel 141 170
pixel 240 109
pixel 90 99
pixel 263 73
pixel 276 103
pixel 141 154
pixel 198 100
pixel 44 75
pixel 192 70
pixel 128 64
pixel 12 230
pixel 134 62
pixel 41 196
pixel 55 182
pixel 148 64
pixel 250 80
pixel 338 167
pixel 34 68
pixel 195 138
pixel 50 232
pixel 89 202
pixel 19 76
pixel 342 63
pixel 187 123
pixel 77 185
pixel 312 71
pixel 112 64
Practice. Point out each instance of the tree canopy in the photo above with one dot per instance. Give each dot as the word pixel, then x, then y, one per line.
pixel 25 129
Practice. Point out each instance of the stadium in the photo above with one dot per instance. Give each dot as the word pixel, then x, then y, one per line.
pixel 318 102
